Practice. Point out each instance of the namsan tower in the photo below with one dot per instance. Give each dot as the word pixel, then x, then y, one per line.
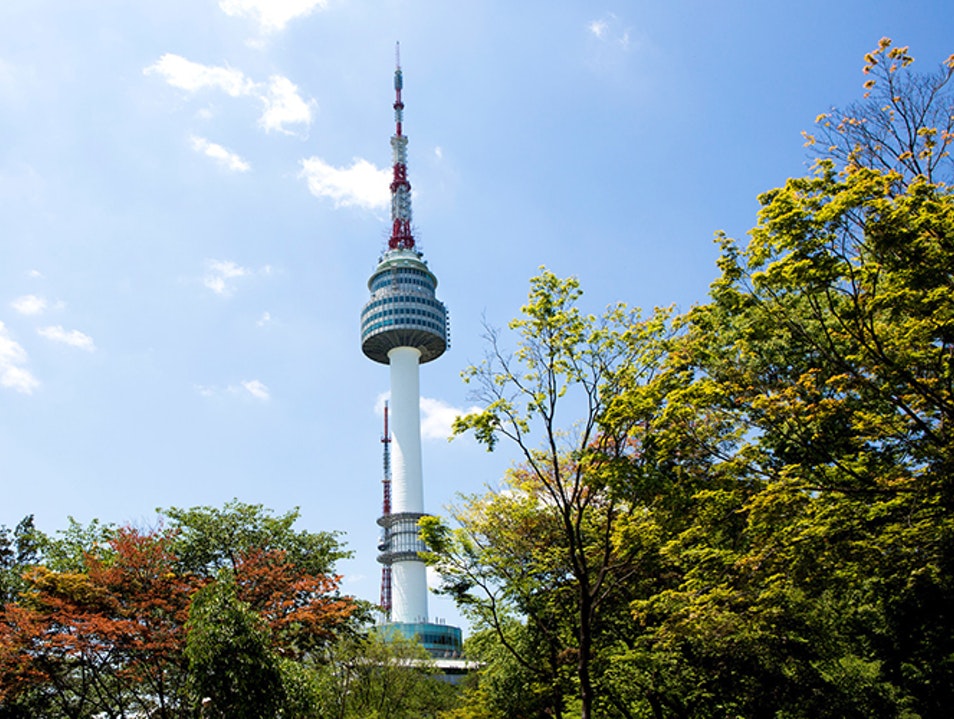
pixel 404 325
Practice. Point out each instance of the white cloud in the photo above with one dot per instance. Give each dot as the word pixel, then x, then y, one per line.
pixel 193 76
pixel 253 387
pixel 257 389
pixel 284 106
pixel 13 373
pixel 362 184
pixel 609 29
pixel 271 15
pixel 265 319
pixel 230 160
pixel 439 152
pixel 29 305
pixel 219 274
pixel 73 338
pixel 437 416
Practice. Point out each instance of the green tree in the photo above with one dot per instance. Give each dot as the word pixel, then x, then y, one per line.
pixel 17 554
pixel 233 671
pixel 811 398
pixel 830 340
pixel 99 625
pixel 372 676
pixel 544 547
pixel 209 538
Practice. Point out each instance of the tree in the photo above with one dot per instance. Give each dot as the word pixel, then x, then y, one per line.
pixel 233 672
pixel 16 555
pixel 103 630
pixel 107 637
pixel 566 567
pixel 830 339
pixel 209 538
pixel 904 125
pixel 372 676
pixel 828 353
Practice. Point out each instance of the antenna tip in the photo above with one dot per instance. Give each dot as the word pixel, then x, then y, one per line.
pixel 397 54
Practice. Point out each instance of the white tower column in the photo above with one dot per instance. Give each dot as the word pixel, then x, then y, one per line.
pixel 409 600
pixel 407 477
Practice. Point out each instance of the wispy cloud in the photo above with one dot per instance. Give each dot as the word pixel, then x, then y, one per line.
pixel 219 274
pixel 29 305
pixel 610 29
pixel 271 15
pixel 193 76
pixel 283 106
pixel 598 28
pixel 204 390
pixel 73 338
pixel 362 184
pixel 225 157
pixel 13 358
pixel 253 387
pixel 265 319
pixel 257 389
pixel 437 416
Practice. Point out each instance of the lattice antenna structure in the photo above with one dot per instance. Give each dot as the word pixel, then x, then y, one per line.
pixel 386 512
pixel 401 237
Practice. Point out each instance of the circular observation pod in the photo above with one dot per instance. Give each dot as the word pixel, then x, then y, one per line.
pixel 403 310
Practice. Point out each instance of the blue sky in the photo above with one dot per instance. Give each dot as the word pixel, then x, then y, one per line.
pixel 193 195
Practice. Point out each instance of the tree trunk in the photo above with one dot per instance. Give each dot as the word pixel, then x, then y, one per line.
pixel 586 650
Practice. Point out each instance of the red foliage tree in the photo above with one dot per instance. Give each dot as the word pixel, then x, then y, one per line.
pixel 112 637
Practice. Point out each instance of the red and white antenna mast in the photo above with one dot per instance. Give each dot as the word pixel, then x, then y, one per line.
pixel 401 237
pixel 386 511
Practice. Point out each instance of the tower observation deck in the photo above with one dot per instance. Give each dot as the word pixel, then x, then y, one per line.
pixel 404 325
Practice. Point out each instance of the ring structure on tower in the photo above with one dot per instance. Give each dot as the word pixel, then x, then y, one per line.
pixel 403 310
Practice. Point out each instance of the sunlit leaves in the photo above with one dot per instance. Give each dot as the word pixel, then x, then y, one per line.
pixel 905 124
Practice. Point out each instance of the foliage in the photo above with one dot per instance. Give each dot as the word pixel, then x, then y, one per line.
pixel 830 342
pixel 904 125
pixel 544 546
pixel 764 498
pixel 125 626
pixel 16 554
pixel 208 538
pixel 381 677
pixel 232 669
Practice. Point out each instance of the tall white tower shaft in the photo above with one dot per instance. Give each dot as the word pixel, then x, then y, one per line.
pixel 407 477
pixel 409 578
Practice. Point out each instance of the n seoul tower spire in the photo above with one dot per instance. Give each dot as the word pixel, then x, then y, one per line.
pixel 404 325
pixel 401 237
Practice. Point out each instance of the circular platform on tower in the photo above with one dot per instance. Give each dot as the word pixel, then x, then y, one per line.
pixel 403 310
